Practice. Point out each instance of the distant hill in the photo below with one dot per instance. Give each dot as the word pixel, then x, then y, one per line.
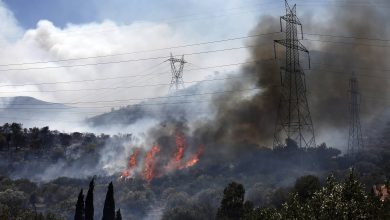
pixel 27 110
pixel 179 105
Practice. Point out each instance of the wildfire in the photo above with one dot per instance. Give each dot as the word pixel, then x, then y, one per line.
pixel 131 165
pixel 150 162
pixel 178 161
pixel 194 159
pixel 181 145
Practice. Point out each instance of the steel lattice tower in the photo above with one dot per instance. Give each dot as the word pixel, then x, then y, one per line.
pixel 294 120
pixel 355 140
pixel 177 72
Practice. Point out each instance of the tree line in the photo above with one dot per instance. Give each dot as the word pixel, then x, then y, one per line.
pixel 308 199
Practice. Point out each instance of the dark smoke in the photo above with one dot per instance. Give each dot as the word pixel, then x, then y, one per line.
pixel 243 121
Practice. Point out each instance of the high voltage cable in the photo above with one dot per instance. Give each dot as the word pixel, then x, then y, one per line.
pixel 170 20
pixel 345 73
pixel 180 18
pixel 343 5
pixel 347 37
pixel 133 60
pixel 194 69
pixel 165 57
pixel 143 99
pixel 354 67
pixel 122 77
pixel 183 46
pixel 348 43
pixel 125 87
pixel 147 50
pixel 97 107
pixel 147 104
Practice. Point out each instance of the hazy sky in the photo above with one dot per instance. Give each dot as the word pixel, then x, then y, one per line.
pixel 45 30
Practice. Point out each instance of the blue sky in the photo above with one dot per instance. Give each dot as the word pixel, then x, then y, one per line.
pixel 200 19
pixel 61 12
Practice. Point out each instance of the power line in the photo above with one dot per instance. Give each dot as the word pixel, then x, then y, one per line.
pixel 347 43
pixel 347 37
pixel 188 45
pixel 354 67
pixel 142 51
pixel 122 77
pixel 124 87
pixel 132 60
pixel 343 5
pixel 173 19
pixel 142 99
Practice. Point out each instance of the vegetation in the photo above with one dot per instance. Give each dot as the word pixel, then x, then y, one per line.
pixel 277 181
pixel 335 200
pixel 109 205
pixel 79 214
pixel 89 208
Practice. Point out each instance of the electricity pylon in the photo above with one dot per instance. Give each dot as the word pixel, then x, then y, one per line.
pixel 294 120
pixel 177 72
pixel 355 140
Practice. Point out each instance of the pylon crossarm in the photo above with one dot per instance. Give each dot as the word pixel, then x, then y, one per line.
pixel 290 19
pixel 296 45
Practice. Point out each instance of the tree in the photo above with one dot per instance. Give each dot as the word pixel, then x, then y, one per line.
pixel 355 198
pixel 109 204
pixel 306 186
pixel 118 215
pixel 89 211
pixel 17 135
pixel 79 214
pixel 232 206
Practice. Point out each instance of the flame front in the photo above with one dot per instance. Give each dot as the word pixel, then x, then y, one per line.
pixel 180 159
pixel 194 158
pixel 181 145
pixel 132 163
pixel 150 162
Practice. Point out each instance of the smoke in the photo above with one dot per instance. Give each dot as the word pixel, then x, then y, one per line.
pixel 243 121
pixel 246 118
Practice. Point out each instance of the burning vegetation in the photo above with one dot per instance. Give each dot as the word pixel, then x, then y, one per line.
pixel 178 160
pixel 132 164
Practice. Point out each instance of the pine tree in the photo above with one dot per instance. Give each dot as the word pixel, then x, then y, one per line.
pixel 118 215
pixel 89 211
pixel 79 214
pixel 109 204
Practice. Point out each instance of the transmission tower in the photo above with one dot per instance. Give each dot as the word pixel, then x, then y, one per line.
pixel 355 140
pixel 294 120
pixel 177 72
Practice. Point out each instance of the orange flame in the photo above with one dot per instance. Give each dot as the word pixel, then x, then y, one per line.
pixel 181 145
pixel 149 168
pixel 132 163
pixel 195 158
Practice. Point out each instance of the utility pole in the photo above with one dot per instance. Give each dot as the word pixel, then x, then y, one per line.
pixel 355 140
pixel 177 72
pixel 294 120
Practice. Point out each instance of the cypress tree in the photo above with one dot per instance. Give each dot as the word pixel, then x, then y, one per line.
pixel 89 211
pixel 109 204
pixel 118 215
pixel 79 214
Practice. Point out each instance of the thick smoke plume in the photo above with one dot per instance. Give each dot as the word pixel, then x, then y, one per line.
pixel 249 119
